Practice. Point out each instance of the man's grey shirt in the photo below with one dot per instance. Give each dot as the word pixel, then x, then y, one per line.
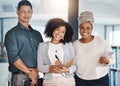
pixel 22 43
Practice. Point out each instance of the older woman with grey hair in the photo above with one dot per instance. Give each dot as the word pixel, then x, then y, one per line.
pixel 93 55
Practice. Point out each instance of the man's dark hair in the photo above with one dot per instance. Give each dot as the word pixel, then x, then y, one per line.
pixel 24 2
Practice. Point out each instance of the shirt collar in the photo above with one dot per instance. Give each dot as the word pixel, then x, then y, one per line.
pixel 23 27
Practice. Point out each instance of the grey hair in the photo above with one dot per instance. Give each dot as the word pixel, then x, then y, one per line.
pixel 85 17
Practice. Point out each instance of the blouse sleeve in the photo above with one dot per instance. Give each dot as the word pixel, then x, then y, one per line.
pixel 108 50
pixel 72 68
pixel 42 67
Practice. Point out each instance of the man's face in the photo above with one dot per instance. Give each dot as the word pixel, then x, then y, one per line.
pixel 24 13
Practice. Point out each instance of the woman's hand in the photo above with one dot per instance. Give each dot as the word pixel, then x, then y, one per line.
pixel 62 70
pixel 103 60
pixel 58 69
pixel 52 69
pixel 58 62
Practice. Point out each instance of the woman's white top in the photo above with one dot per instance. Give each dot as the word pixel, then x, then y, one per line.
pixel 87 58
pixel 55 49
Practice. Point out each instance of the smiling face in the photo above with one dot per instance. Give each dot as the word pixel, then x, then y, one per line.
pixel 85 30
pixel 58 34
pixel 24 13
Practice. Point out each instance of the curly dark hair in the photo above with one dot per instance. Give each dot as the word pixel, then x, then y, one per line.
pixel 54 23
pixel 69 33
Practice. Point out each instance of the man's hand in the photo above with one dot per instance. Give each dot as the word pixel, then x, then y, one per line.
pixel 34 82
pixel 33 75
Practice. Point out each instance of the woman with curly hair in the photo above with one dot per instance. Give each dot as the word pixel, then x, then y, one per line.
pixel 56 57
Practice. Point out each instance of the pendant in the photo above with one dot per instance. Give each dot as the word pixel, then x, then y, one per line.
pixel 55 51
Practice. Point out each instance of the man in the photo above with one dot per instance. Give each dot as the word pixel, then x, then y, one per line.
pixel 21 44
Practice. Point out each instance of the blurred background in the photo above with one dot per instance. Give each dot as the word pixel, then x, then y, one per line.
pixel 107 25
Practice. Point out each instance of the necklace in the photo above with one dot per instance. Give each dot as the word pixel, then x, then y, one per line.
pixel 55 51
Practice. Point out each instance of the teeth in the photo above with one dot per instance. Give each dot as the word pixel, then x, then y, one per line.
pixel 58 36
pixel 84 33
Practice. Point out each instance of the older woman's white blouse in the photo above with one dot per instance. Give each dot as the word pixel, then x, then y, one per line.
pixel 87 58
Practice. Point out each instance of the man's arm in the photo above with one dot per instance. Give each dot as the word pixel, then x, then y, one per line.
pixel 21 66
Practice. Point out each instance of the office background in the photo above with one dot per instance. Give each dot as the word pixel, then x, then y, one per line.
pixel 107 25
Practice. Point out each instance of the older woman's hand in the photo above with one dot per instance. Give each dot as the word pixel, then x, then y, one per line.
pixel 103 60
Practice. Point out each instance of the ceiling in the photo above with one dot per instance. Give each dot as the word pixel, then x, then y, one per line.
pixel 105 11
pixel 42 9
